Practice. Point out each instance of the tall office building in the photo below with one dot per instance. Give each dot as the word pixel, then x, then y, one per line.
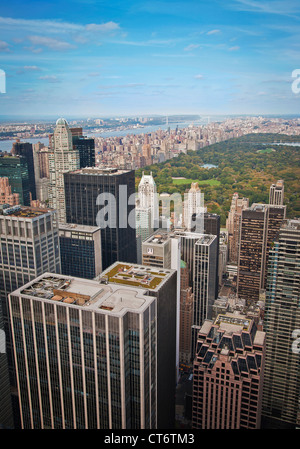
pixel 281 398
pixel 6 408
pixel 277 193
pixel 212 226
pixel 205 259
pixel 107 193
pixel 101 353
pixel 62 158
pixel 228 374
pixel 193 207
pixel 147 195
pixel 29 247
pixel 80 250
pixel 156 250
pixel 259 226
pixel 233 224
pixel 85 146
pixel 25 149
pixel 143 227
pixel 15 168
pixel 186 315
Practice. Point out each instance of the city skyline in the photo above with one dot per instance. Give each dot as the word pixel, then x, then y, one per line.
pixel 161 57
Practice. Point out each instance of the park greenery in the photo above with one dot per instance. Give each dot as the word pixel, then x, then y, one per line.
pixel 247 165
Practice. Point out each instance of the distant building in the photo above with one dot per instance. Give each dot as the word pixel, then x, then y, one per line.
pixel 108 345
pixel 85 146
pixel 25 149
pixel 6 195
pixel 62 158
pixel 80 250
pixel 186 315
pixel 194 206
pixel 15 168
pixel 259 226
pixel 281 397
pixel 228 374
pixel 147 192
pixel 277 193
pixel 233 224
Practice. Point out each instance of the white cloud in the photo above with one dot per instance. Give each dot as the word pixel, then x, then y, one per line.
pixel 235 48
pixel 49 78
pixel 198 77
pixel 191 47
pixel 103 27
pixel 53 44
pixel 213 32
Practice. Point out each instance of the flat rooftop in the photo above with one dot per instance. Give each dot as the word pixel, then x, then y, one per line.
pixel 22 211
pixel 85 293
pixel 159 238
pixel 232 322
pixel 78 228
pixel 99 171
pixel 135 275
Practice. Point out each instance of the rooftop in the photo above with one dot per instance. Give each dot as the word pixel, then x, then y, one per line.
pixel 135 275
pixel 78 228
pixel 86 293
pixel 108 171
pixel 22 211
pixel 232 322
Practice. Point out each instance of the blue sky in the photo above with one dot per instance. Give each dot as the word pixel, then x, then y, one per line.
pixel 97 58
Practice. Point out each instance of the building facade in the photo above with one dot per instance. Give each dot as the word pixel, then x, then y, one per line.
pixel 94 195
pixel 80 250
pixel 259 226
pixel 62 157
pixel 94 361
pixel 15 168
pixel 281 406
pixel 277 193
pixel 228 374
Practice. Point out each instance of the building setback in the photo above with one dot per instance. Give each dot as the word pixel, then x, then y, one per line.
pixel 80 250
pixel 83 188
pixel 95 357
pixel 228 374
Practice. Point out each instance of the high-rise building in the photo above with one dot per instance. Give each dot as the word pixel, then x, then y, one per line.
pixel 6 195
pixel 6 408
pixel 29 247
pixel 62 157
pixel 147 196
pixel 205 259
pixel 25 149
pixel 259 226
pixel 233 224
pixel 277 193
pixel 86 149
pixel 80 250
pixel 101 352
pixel 193 207
pixel 212 226
pixel 143 227
pixel 228 374
pixel 281 397
pixel 186 315
pixel 94 195
pixel 15 168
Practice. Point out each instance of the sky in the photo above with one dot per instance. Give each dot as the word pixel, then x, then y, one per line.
pixel 99 58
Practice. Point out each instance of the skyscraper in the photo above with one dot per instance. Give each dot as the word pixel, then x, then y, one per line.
pixel 281 406
pixel 147 192
pixel 80 250
pixel 15 168
pixel 63 157
pixel 6 195
pixel 29 246
pixel 277 193
pixel 233 224
pixel 259 226
pixel 194 206
pixel 99 357
pixel 86 149
pixel 109 194
pixel 228 374
pixel 25 149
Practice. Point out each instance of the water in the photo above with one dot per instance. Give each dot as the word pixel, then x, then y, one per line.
pixel 6 145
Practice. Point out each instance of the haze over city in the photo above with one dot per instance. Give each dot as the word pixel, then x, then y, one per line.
pixel 99 58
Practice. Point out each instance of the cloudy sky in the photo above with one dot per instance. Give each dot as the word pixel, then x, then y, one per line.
pixel 97 58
